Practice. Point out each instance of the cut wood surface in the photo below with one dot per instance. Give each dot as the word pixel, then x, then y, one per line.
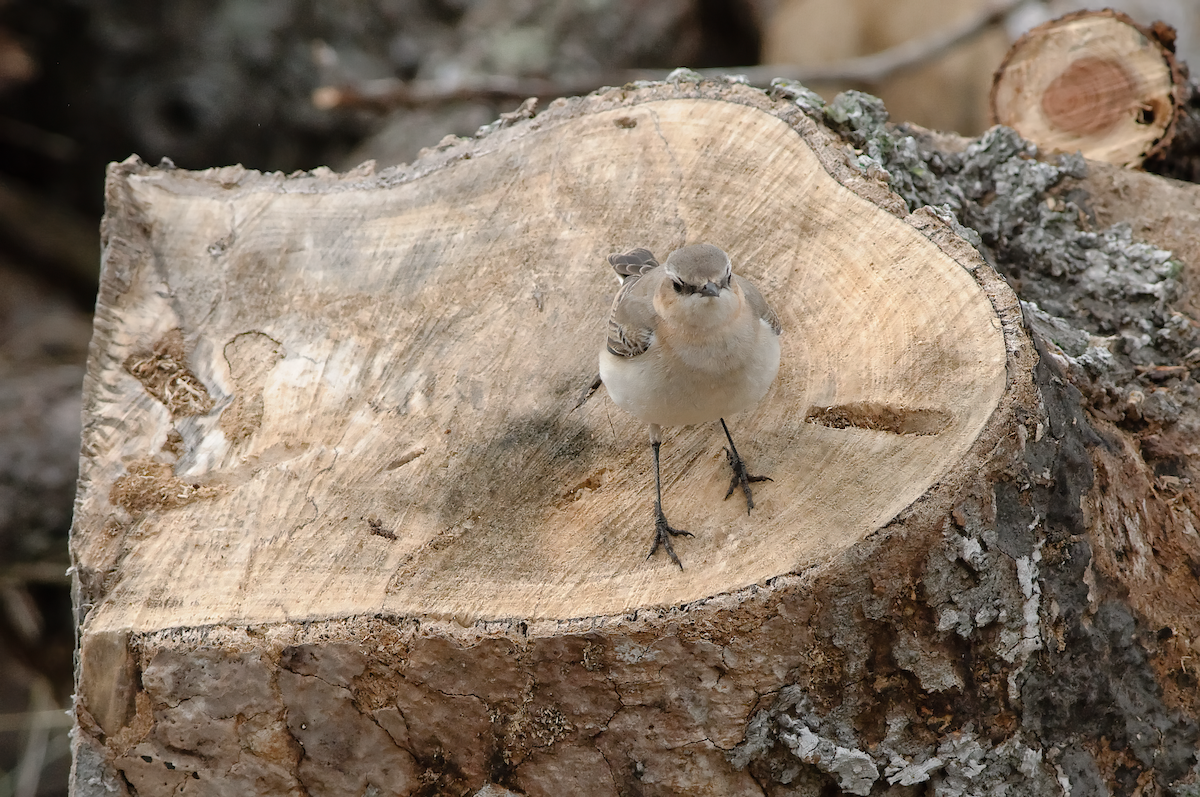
pixel 342 528
pixel 325 396
pixel 1092 81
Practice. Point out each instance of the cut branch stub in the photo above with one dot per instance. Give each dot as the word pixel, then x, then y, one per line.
pixel 1093 81
pixel 404 442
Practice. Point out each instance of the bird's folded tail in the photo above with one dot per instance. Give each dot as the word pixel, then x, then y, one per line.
pixel 587 392
pixel 633 263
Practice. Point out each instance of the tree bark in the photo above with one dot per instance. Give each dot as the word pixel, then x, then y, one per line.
pixel 341 529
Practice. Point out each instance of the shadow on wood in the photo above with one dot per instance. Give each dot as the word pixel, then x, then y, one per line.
pixel 342 528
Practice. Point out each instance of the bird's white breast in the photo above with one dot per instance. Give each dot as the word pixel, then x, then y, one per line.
pixel 688 378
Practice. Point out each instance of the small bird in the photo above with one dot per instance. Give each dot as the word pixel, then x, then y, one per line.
pixel 688 342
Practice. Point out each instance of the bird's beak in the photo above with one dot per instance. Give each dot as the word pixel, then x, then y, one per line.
pixel 710 289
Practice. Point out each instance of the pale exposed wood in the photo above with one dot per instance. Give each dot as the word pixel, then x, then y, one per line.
pixel 1092 81
pixel 354 535
pixel 423 340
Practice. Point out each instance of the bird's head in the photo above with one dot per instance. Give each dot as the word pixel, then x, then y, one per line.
pixel 697 285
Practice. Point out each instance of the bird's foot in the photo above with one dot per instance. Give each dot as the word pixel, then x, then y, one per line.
pixel 741 478
pixel 663 532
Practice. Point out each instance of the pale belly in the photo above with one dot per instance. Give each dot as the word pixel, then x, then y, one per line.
pixel 668 392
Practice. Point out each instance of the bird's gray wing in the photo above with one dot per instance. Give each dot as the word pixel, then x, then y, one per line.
pixel 758 304
pixel 633 263
pixel 632 321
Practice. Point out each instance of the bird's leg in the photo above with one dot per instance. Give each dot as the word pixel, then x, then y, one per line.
pixel 740 476
pixel 663 532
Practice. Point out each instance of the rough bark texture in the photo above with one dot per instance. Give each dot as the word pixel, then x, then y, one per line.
pixel 1084 240
pixel 1181 159
pixel 1024 627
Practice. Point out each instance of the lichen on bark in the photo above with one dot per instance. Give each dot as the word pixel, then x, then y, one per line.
pixel 1067 692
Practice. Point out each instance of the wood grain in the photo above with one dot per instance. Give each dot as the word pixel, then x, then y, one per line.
pixel 1094 82
pixel 392 360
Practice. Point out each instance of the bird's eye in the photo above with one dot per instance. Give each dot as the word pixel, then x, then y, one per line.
pixel 677 285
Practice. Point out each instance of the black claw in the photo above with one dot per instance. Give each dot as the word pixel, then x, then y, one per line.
pixel 662 529
pixel 662 536
pixel 740 477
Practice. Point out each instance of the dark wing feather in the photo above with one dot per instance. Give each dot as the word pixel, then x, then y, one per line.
pixel 633 263
pixel 632 321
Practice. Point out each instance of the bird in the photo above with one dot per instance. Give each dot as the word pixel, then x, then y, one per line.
pixel 688 342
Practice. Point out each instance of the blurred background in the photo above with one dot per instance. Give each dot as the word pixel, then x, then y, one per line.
pixel 296 84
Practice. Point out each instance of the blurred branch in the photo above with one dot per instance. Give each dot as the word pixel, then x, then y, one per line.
pixel 876 67
pixel 22 612
pixel 29 770
pixel 46 718
pixel 49 237
pixel 16 64
pixel 388 93
pixel 18 605
pixel 36 573
pixel 21 135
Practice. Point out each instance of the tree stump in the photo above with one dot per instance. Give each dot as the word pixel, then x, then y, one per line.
pixel 341 528
pixel 1095 82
